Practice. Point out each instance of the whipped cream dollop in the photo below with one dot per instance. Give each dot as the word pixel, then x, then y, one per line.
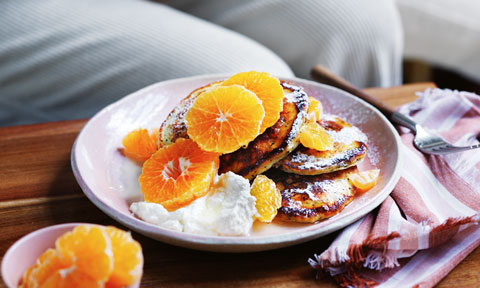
pixel 227 210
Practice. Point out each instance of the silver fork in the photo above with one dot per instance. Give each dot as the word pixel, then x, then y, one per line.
pixel 424 140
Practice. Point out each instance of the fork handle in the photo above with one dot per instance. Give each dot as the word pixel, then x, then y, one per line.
pixel 404 120
pixel 321 74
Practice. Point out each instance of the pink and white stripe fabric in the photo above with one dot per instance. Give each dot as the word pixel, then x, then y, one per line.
pixel 429 223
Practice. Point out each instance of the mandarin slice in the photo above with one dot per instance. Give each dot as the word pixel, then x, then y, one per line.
pixel 364 180
pixel 314 136
pixel 139 145
pixel 27 280
pixel 47 264
pixel 267 88
pixel 268 198
pixel 90 249
pixel 224 119
pixel 315 109
pixel 178 174
pixel 127 258
pixel 71 277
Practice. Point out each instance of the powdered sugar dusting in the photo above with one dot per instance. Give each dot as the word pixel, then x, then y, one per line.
pixel 300 98
pixel 373 155
pixel 327 191
pixel 310 162
pixel 348 135
pixel 354 116
pixel 349 142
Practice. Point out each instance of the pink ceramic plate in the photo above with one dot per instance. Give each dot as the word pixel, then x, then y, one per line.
pixel 110 181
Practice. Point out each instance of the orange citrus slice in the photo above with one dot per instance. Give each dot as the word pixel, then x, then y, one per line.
pixel 364 180
pixel 315 109
pixel 127 258
pixel 71 277
pixel 90 250
pixel 268 198
pixel 47 264
pixel 140 145
pixel 267 88
pixel 224 119
pixel 314 136
pixel 178 174
pixel 88 256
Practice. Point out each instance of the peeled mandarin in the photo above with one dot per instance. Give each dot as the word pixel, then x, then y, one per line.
pixel 178 174
pixel 224 118
pixel 364 180
pixel 315 109
pixel 88 256
pixel 127 258
pixel 268 198
pixel 267 88
pixel 47 264
pixel 139 145
pixel 90 250
pixel 314 136
pixel 71 277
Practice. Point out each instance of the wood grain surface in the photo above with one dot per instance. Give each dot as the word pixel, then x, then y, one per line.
pixel 37 189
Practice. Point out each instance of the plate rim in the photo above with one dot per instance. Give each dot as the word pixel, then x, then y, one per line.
pixel 233 243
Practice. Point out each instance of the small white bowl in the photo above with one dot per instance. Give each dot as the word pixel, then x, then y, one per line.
pixel 24 253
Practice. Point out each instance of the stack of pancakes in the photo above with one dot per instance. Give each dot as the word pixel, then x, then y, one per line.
pixel 314 184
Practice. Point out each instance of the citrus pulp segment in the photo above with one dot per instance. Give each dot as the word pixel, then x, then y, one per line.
pixel 71 277
pixel 224 119
pixel 315 109
pixel 97 263
pixel 127 258
pixel 47 264
pixel 267 88
pixel 268 198
pixel 364 180
pixel 315 137
pixel 140 145
pixel 178 174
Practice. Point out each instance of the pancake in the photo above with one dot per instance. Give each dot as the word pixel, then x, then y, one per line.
pixel 275 143
pixel 264 151
pixel 350 146
pixel 309 199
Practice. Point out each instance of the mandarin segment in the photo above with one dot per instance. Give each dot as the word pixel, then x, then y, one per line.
pixel 27 279
pixel 139 145
pixel 97 263
pixel 364 180
pixel 178 174
pixel 268 198
pixel 224 119
pixel 88 256
pixel 127 258
pixel 267 88
pixel 315 109
pixel 71 277
pixel 47 264
pixel 314 136
pixel 174 126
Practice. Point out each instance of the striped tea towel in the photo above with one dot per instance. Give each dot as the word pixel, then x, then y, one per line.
pixel 429 223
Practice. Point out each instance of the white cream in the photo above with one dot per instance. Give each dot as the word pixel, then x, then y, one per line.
pixel 228 210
